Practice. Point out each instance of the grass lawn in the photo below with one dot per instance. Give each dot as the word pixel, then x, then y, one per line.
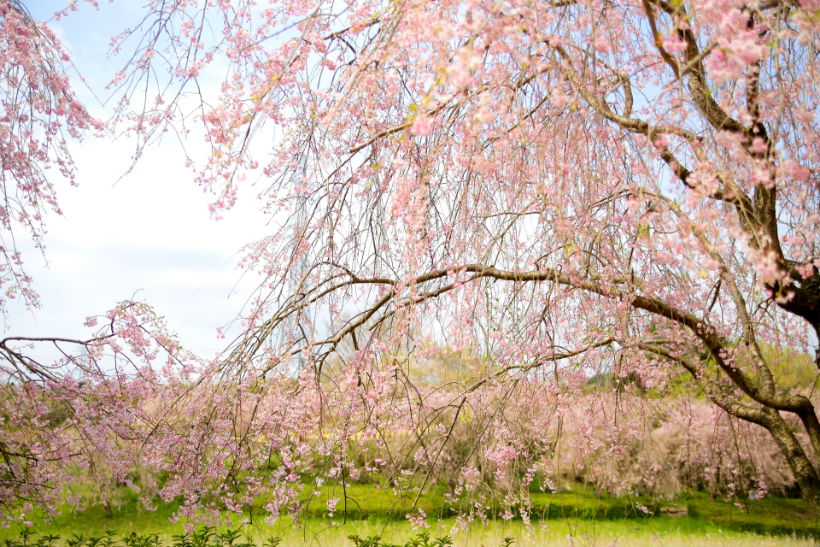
pixel 656 532
pixel 574 518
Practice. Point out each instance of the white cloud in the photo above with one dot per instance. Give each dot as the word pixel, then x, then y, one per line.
pixel 149 235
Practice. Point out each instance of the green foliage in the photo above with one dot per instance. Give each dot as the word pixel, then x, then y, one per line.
pixel 674 531
pixel 370 541
pixel 205 536
pixel 209 537
pixel 422 539
pixel 792 370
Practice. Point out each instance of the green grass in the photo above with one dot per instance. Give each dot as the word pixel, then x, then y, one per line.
pixel 129 517
pixel 370 501
pixel 584 503
pixel 656 532
pixel 579 515
pixel 769 515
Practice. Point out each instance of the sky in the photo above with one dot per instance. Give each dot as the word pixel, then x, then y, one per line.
pixel 148 236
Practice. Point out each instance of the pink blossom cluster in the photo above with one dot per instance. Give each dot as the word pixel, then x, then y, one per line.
pixel 476 209
pixel 187 431
pixel 39 115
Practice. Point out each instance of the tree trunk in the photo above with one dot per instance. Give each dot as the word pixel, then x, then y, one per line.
pixel 804 472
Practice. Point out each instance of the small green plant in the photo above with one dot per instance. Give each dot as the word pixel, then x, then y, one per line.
pixel 141 540
pixel 370 541
pixel 202 536
pixel 273 541
pixel 228 537
pixel 49 539
pixel 181 540
pixel 422 539
pixel 108 539
pixel 206 536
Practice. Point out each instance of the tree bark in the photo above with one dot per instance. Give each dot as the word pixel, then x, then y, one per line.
pixel 804 472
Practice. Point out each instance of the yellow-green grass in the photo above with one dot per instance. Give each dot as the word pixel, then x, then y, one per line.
pixel 657 532
pixel 579 515
pixel 661 531
pixel 771 515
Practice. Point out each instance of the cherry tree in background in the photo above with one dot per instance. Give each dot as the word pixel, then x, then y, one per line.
pixel 544 188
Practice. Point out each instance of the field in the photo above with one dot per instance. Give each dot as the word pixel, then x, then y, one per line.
pixel 568 518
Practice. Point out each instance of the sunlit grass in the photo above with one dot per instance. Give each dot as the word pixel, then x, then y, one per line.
pixel 657 532
pixel 661 531
pixel 576 518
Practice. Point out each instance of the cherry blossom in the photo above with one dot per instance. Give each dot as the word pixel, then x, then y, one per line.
pixel 511 243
